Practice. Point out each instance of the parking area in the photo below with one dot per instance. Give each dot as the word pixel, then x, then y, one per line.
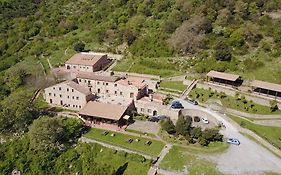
pixel 193 112
pixel 145 126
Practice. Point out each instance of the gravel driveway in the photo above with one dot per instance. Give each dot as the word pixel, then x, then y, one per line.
pixel 145 126
pixel 247 158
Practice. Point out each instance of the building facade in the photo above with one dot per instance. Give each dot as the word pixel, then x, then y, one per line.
pixel 68 94
pixel 113 86
pixel 87 62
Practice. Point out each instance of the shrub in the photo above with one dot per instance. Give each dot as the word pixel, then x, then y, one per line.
pixel 79 46
pixel 168 126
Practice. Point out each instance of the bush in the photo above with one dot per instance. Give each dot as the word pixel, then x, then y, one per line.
pixel 183 124
pixel 196 132
pixel 210 135
pixel 168 126
pixel 79 46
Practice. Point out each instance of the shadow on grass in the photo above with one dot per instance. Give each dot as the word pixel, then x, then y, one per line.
pixel 122 169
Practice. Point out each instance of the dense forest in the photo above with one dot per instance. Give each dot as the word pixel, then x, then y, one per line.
pixel 216 31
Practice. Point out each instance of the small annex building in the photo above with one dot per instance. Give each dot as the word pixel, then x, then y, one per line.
pixel 87 62
pixel 97 113
pixel 266 88
pixel 224 78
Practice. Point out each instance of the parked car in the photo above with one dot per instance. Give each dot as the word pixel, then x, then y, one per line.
pixel 177 105
pixel 233 141
pixel 196 119
pixel 161 117
pixel 153 119
pixel 192 101
pixel 205 120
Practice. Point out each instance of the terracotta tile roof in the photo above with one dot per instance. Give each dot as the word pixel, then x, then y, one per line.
pixel 132 81
pixel 88 59
pixel 103 110
pixel 221 75
pixel 93 76
pixel 75 86
pixel 78 87
pixel 266 85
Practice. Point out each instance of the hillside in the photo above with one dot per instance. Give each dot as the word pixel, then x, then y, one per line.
pixel 236 36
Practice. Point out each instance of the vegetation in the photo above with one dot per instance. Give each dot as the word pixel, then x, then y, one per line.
pixel 270 133
pixel 16 113
pixel 187 159
pixel 121 140
pixel 82 159
pixel 238 102
pixel 168 126
pixel 176 85
pixel 184 132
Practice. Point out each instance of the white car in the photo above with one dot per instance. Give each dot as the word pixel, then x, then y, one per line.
pixel 205 120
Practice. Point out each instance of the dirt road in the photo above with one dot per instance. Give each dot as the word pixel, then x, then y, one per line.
pixel 247 158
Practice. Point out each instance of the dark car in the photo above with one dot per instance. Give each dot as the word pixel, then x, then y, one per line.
pixel 192 101
pixel 153 119
pixel 176 105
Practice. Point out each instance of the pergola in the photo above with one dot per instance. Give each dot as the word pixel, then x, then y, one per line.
pixel 224 78
pixel 266 88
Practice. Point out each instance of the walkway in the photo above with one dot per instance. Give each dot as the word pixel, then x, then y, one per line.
pixel 87 140
pixel 188 89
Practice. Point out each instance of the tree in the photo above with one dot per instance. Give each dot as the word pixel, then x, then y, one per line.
pixel 210 135
pixel 189 37
pixel 46 133
pixel 222 51
pixel 14 77
pixel 183 124
pixel 196 132
pixel 168 126
pixel 79 46
pixel 16 112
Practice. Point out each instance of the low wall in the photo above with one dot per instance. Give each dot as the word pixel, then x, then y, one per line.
pixel 156 77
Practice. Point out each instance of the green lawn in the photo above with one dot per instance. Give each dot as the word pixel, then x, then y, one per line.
pixel 141 133
pixel 136 163
pixel 176 85
pixel 203 95
pixel 121 140
pixel 154 66
pixel 268 72
pixel 270 133
pixel 180 158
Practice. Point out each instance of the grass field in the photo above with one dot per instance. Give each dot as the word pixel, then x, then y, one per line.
pixel 203 95
pixel 176 85
pixel 270 133
pixel 136 163
pixel 267 72
pixel 122 140
pixel 141 133
pixel 179 159
pixel 154 66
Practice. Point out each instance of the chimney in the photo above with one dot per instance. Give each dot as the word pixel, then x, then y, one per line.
pixel 150 97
